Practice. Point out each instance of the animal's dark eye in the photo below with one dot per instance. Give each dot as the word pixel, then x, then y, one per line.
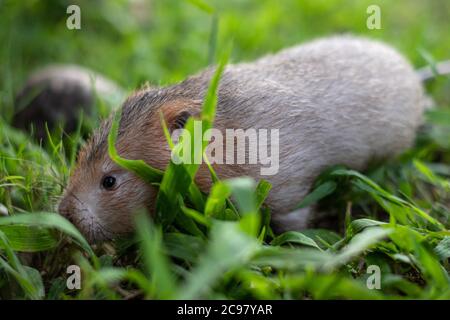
pixel 108 182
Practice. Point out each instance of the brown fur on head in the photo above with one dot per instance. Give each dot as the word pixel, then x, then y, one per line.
pixel 102 197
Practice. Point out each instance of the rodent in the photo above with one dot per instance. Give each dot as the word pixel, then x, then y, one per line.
pixel 337 100
pixel 58 93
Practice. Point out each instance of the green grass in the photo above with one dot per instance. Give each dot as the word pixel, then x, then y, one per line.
pixel 395 215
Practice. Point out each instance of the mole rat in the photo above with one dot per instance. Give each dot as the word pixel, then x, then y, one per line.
pixel 341 100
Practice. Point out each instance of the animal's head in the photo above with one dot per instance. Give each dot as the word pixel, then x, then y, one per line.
pixel 101 197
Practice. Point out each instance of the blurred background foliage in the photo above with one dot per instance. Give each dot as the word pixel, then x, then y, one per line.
pixel 163 41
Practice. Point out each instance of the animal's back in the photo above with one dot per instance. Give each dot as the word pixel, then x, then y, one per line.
pixel 340 93
pixel 340 100
pixel 334 101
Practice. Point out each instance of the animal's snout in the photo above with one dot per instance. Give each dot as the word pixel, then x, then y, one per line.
pixel 65 208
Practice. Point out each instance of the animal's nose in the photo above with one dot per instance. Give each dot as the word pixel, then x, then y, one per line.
pixel 65 209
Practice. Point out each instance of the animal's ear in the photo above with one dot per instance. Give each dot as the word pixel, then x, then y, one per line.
pixel 180 120
pixel 177 113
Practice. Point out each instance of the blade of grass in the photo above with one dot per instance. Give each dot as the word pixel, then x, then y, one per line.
pixel 156 262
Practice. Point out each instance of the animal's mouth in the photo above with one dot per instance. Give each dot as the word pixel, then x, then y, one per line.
pixel 93 229
pixel 88 223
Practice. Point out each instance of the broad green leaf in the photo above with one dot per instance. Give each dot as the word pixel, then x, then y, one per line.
pixel 48 220
pixel 360 224
pixel 324 238
pixel 25 238
pixel 294 237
